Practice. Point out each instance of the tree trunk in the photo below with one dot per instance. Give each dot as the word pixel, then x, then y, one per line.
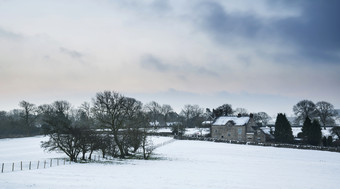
pixel 103 152
pixel 120 146
pixel 83 157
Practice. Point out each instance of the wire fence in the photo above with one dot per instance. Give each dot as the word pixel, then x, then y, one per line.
pixel 46 163
pixel 164 143
pixel 33 165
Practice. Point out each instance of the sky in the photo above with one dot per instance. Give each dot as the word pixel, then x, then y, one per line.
pixel 263 55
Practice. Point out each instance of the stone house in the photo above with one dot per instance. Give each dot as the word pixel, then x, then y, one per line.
pixel 238 128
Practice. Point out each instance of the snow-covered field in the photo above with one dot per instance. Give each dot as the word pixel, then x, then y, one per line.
pixel 181 164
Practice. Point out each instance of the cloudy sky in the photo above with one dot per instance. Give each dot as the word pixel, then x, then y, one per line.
pixel 259 55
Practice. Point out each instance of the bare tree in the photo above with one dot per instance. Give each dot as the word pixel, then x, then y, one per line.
pixel 85 109
pixel 60 127
pixel 166 110
pixel 326 113
pixel 29 115
pixel 303 109
pixel 262 118
pixel 106 145
pixel 88 137
pixel 154 110
pixel 192 115
pixel 241 111
pixel 223 110
pixel 114 111
pixel 147 145
pixel 140 135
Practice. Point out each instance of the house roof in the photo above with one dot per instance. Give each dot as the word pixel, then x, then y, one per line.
pixel 223 120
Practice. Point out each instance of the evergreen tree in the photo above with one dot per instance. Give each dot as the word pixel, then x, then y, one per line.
pixel 306 129
pixel 324 141
pixel 315 134
pixel 283 130
pixel 329 141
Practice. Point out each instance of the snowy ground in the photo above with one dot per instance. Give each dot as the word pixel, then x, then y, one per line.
pixel 181 164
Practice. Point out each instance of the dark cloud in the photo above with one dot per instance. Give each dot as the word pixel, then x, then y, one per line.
pixel 223 25
pixel 314 33
pixel 161 5
pixel 151 62
pixel 72 53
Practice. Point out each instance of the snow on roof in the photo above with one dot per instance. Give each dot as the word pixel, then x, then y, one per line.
pixel 223 120
pixel 173 123
pixel 266 130
pixel 156 123
pixel 207 122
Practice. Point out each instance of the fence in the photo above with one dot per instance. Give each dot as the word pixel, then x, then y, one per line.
pixel 44 164
pixel 33 165
pixel 164 143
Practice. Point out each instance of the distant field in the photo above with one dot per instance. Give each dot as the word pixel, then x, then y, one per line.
pixel 181 164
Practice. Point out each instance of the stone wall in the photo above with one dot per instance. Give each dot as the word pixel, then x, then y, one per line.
pixel 295 146
pixel 235 132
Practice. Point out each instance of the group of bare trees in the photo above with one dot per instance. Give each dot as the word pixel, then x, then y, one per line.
pixel 160 115
pixel 113 124
pixel 261 118
pixel 323 111
pixel 19 122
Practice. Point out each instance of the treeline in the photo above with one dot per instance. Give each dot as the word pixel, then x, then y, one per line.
pixel 20 122
pixel 30 119
pixel 311 133
pixel 322 111
pixel 117 125
pixel 260 118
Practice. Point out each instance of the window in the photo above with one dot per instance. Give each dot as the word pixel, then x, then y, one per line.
pixel 222 136
pixel 239 131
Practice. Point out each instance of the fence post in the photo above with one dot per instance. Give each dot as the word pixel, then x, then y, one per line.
pixel 64 160
pixel 12 167
pixel 21 165
pixel 38 165
pixel 57 162
pixel 51 163
pixel 2 169
pixel 44 164
pixel 29 167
